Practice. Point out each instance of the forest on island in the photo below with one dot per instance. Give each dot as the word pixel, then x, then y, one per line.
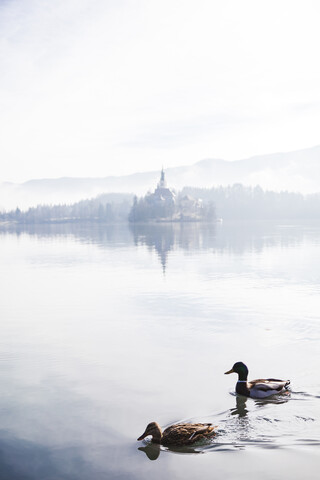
pixel 185 208
pixel 106 208
pixel 253 203
pixel 236 202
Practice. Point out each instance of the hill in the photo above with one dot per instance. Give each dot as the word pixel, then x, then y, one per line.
pixel 297 171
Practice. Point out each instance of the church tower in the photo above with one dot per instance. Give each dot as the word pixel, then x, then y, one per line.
pixel 162 183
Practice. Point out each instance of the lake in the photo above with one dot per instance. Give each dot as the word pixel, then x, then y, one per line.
pixel 106 328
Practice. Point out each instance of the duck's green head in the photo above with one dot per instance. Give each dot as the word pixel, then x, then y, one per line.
pixel 241 369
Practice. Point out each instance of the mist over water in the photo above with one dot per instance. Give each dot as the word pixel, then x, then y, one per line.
pixel 104 329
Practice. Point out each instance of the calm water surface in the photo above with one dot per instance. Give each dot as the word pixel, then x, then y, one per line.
pixel 104 329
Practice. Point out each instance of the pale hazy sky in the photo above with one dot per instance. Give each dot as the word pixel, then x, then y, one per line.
pixel 104 87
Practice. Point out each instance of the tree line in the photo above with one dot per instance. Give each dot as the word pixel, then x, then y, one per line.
pixel 231 202
pixel 253 203
pixel 106 208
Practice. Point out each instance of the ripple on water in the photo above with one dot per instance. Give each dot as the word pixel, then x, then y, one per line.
pixel 282 424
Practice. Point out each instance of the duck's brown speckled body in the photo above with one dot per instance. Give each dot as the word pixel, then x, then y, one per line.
pixel 179 434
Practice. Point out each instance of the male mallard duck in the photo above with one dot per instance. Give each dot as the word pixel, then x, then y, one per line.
pixel 260 388
pixel 179 434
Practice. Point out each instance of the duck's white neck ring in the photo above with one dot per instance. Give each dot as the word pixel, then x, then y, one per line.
pixel 242 381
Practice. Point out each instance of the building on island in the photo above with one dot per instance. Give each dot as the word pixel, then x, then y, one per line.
pixel 164 205
pixel 162 194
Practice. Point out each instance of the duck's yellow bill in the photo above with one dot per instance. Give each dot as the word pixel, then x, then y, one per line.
pixel 229 371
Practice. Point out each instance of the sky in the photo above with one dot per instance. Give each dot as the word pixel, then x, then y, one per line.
pixel 92 88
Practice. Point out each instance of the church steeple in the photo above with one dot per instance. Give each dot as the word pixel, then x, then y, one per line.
pixel 162 183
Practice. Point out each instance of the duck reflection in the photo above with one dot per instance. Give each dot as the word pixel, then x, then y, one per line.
pixel 275 400
pixel 241 406
pixel 241 403
pixel 152 450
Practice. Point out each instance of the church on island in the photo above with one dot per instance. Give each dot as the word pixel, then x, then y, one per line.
pixel 164 205
pixel 162 195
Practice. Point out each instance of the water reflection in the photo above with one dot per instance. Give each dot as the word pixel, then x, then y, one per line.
pixel 241 406
pixel 160 237
pixel 152 450
pixel 21 459
pixel 241 409
pixel 164 238
pixel 102 312
pixel 110 236
pixel 275 400
pixel 238 427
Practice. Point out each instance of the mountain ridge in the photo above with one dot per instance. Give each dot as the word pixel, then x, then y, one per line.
pixel 297 171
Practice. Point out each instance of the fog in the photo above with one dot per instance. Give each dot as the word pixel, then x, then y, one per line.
pixel 94 88
pixel 297 172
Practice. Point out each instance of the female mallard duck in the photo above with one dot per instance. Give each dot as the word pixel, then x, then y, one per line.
pixel 260 388
pixel 179 434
